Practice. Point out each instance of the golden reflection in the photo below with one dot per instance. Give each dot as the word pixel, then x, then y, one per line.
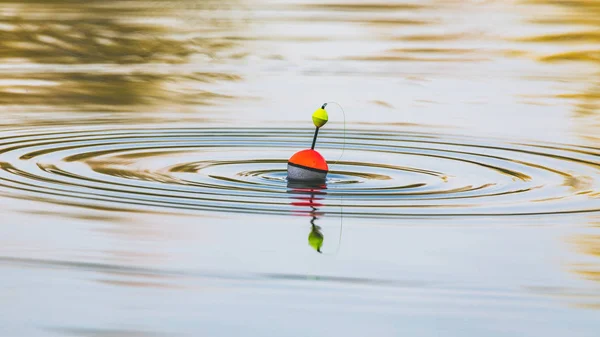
pixel 365 7
pixel 579 56
pixel 589 245
pixel 112 55
pixel 570 37
pixel 442 37
pixel 588 102
pixel 95 40
pixel 577 43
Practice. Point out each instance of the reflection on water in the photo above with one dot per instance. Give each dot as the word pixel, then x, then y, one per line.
pixel 310 196
pixel 144 149
pixel 144 56
pixel 111 55
pixel 589 244
pixel 382 174
pixel 576 40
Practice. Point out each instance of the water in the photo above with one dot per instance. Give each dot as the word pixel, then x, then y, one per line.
pixel 143 160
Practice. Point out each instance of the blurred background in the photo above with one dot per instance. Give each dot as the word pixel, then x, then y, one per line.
pixel 492 66
pixel 100 233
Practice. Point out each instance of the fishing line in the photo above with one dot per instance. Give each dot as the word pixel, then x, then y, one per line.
pixel 341 226
pixel 344 138
pixel 335 163
pixel 339 245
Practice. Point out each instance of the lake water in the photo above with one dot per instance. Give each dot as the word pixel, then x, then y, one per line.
pixel 143 157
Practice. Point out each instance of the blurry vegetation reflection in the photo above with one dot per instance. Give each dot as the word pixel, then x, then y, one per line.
pixel 589 245
pixel 111 55
pixel 579 41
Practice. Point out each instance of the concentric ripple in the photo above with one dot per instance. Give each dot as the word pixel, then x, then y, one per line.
pixel 244 170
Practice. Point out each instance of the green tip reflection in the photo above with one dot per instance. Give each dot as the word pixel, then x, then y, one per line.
pixel 315 238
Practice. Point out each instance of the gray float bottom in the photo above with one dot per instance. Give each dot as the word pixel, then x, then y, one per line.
pixel 304 174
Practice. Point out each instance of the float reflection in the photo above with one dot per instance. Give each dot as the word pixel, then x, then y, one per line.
pixel 308 198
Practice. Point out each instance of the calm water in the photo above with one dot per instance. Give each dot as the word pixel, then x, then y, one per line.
pixel 143 158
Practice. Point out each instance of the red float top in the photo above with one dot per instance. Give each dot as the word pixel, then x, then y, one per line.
pixel 309 159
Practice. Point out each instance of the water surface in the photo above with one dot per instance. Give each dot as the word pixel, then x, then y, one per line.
pixel 143 155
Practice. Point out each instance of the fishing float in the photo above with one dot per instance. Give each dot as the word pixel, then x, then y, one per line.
pixel 309 165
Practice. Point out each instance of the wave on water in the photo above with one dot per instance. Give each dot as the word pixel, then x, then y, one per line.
pixel 382 174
